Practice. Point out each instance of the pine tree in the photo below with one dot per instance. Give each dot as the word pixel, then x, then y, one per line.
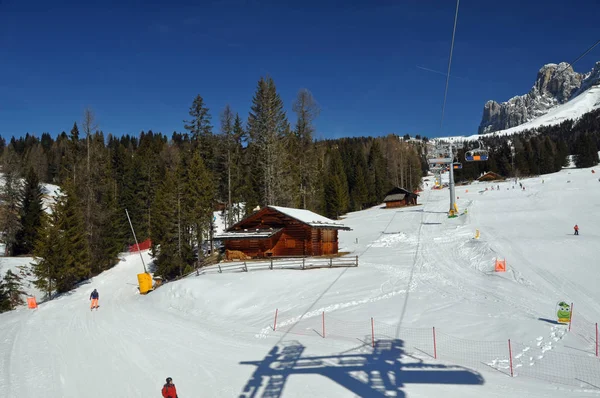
pixel 62 251
pixel 12 286
pixel 376 177
pixel 268 130
pixel 31 210
pixel 198 194
pixel 336 197
pixel 240 185
pixel 229 187
pixel 169 243
pixel 586 151
pixel 307 110
pixel 4 298
pixel 562 155
pixel 201 130
pixel 10 194
pixel 360 193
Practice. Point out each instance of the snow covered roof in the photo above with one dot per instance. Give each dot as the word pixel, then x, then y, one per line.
pixel 248 234
pixel 309 218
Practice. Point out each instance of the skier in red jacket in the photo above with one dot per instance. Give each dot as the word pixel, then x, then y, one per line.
pixel 169 390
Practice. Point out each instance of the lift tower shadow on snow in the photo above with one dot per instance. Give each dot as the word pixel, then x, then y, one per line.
pixel 381 372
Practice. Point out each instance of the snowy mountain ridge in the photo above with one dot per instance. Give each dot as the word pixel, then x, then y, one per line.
pixel 555 84
pixel 586 102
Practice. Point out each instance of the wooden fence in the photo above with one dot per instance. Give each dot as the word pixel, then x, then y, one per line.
pixel 275 264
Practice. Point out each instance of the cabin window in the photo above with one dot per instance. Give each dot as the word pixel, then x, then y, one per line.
pixel 290 243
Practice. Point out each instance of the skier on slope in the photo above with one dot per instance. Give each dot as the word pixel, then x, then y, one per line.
pixel 169 390
pixel 94 298
pixel 576 228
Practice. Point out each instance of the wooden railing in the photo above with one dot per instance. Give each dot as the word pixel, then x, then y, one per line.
pixel 275 264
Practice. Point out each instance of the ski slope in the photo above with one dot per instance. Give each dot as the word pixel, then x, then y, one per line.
pixel 213 334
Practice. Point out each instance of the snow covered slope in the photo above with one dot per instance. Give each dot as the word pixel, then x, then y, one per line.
pixel 213 334
pixel 574 109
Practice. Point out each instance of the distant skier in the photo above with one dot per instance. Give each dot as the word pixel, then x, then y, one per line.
pixel 169 390
pixel 576 228
pixel 94 297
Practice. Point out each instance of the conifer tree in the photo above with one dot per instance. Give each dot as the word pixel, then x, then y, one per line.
pixel 31 209
pixel 169 243
pixel 586 151
pixel 268 130
pixel 12 287
pixel 336 197
pixel 307 110
pixel 230 157
pixel 377 170
pixel 240 185
pixel 10 195
pixel 201 130
pixel 62 250
pixel 198 194
pixel 4 298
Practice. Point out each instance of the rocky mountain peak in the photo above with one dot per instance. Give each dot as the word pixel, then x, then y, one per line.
pixel 555 84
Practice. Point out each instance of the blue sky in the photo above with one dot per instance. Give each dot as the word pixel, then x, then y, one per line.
pixel 139 64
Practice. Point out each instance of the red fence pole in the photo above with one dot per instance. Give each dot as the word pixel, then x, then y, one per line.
pixel 434 346
pixel 510 356
pixel 323 324
pixel 275 323
pixel 570 317
pixel 596 338
pixel 372 333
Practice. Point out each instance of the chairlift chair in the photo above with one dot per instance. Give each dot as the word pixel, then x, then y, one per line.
pixel 477 155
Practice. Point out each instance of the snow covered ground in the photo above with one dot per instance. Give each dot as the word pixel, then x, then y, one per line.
pixel 213 334
pixel 574 109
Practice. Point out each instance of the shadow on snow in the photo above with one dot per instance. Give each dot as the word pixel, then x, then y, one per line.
pixel 380 372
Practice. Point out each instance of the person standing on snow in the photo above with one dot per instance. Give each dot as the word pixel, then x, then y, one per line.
pixel 169 390
pixel 94 297
pixel 576 228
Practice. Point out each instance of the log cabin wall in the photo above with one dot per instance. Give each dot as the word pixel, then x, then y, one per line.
pixel 295 239
pixel 396 203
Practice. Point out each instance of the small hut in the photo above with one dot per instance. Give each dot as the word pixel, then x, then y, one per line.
pixel 490 176
pixel 400 197
pixel 282 231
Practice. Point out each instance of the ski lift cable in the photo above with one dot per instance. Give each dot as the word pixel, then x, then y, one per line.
pixel 449 65
pixel 578 58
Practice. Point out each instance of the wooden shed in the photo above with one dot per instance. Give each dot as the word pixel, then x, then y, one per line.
pixel 490 176
pixel 400 197
pixel 275 231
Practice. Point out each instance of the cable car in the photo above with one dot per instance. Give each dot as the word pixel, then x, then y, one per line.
pixel 457 166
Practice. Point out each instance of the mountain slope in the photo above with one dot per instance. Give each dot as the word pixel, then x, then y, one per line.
pixel 572 110
pixel 554 85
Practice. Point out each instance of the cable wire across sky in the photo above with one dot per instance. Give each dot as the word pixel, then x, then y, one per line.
pixel 449 65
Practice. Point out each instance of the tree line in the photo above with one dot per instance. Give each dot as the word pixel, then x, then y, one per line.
pixel 172 185
pixel 537 151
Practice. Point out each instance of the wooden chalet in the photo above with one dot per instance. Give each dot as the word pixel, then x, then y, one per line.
pixel 490 176
pixel 275 231
pixel 400 197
